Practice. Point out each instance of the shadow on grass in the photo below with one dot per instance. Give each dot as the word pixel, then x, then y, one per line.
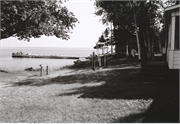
pixel 124 84
pixel 111 62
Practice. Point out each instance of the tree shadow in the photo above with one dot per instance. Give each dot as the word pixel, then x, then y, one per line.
pixel 83 77
pixel 124 84
pixel 68 79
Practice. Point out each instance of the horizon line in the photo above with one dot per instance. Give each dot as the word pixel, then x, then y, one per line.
pixel 42 47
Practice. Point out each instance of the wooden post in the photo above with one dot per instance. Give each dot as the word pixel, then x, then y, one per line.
pixel 93 61
pixel 47 70
pixel 104 60
pixel 99 60
pixel 41 70
pixel 127 52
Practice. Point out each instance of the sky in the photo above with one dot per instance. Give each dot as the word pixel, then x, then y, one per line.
pixel 84 35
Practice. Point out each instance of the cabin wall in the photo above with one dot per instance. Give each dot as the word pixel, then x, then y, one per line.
pixel 176 60
pixel 170 59
pixel 173 55
pixel 173 59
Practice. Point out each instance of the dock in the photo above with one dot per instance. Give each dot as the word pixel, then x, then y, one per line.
pixel 23 55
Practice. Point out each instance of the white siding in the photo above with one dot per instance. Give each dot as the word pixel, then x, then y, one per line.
pixel 176 60
pixel 177 52
pixel 167 59
pixel 170 58
pixel 176 66
pixel 176 55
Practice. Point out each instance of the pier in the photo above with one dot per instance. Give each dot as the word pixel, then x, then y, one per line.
pixel 23 55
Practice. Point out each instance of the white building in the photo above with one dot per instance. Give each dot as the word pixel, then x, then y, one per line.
pixel 172 49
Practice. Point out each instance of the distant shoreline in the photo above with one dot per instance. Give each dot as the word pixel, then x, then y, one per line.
pixel 73 48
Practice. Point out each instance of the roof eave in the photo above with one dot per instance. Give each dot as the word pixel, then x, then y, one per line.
pixel 173 7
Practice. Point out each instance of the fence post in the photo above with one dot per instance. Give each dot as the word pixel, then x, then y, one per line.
pixel 41 70
pixel 47 70
pixel 93 61
pixel 104 60
pixel 99 58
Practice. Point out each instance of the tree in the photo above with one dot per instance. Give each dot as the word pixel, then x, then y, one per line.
pixel 147 21
pixel 101 39
pixel 27 19
pixel 130 17
pixel 111 12
pixel 117 13
pixel 136 33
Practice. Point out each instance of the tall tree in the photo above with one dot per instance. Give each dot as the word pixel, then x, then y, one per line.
pixel 128 17
pixel 111 12
pixel 136 33
pixel 27 19
pixel 149 19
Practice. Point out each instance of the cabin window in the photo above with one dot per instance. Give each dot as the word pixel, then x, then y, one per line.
pixel 177 32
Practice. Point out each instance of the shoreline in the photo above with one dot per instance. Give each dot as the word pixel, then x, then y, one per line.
pixel 19 75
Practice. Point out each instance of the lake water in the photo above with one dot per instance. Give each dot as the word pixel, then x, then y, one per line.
pixel 13 64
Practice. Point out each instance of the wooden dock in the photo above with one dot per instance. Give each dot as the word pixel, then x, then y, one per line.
pixel 22 55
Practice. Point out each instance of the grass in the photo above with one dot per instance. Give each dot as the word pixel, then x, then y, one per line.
pixel 110 63
pixel 115 94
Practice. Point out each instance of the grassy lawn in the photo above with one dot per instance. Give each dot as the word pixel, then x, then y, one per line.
pixel 115 94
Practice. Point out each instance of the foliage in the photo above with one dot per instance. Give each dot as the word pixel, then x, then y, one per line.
pixel 101 39
pixel 106 32
pixel 126 14
pixel 27 19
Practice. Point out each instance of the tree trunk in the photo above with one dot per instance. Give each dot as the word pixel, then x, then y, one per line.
pixel 148 45
pixel 152 48
pixel 111 40
pixel 145 46
pixel 93 61
pixel 149 48
pixel 137 37
pixel 129 47
pixel 138 46
pixel 145 42
pixel 160 47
